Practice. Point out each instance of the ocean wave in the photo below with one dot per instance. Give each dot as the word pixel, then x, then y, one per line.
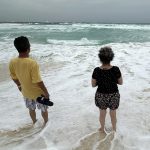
pixel 76 34
pixel 113 26
pixel 81 42
pixel 72 27
pixel 68 50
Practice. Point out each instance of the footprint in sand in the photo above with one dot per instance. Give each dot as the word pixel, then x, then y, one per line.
pixel 105 144
pixel 96 141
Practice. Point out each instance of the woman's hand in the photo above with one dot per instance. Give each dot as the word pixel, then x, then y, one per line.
pixel 120 81
pixel 94 82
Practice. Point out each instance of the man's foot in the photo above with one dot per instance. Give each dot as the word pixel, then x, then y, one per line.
pixel 44 124
pixel 34 121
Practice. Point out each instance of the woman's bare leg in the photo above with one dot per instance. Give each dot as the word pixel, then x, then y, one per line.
pixel 113 119
pixel 102 119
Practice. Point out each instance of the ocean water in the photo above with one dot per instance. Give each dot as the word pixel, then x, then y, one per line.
pixel 67 54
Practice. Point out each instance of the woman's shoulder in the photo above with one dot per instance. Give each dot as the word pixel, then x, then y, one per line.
pixel 97 68
pixel 115 67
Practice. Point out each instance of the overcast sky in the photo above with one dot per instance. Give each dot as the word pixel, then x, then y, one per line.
pixel 104 11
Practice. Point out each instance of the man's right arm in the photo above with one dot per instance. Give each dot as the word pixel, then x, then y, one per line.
pixel 13 75
pixel 17 83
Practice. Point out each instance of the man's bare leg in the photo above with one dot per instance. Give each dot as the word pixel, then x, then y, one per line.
pixel 45 116
pixel 113 119
pixel 102 119
pixel 33 115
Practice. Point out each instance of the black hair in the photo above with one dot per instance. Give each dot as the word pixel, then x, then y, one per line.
pixel 22 44
pixel 106 55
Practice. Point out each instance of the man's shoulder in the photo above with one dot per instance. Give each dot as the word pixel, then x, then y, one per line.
pixel 32 60
pixel 29 61
pixel 13 60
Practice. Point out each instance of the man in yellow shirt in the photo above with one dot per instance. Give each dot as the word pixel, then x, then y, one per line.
pixel 24 71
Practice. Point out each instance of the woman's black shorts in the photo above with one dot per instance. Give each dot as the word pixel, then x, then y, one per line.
pixel 104 101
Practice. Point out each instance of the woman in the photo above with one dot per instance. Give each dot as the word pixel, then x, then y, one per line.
pixel 106 77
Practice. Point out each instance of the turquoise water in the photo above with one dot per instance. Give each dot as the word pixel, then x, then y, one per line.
pixel 100 33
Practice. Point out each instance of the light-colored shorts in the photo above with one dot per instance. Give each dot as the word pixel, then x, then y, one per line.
pixel 31 104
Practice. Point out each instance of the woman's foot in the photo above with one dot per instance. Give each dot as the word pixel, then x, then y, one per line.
pixel 114 129
pixel 101 130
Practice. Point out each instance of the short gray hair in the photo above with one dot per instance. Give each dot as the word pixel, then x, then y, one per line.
pixel 106 55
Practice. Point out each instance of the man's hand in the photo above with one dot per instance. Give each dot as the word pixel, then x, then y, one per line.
pixel 19 87
pixel 46 96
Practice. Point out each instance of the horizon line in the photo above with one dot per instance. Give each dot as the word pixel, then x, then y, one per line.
pixel 70 22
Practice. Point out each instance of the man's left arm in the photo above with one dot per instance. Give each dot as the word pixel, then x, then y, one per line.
pixel 36 78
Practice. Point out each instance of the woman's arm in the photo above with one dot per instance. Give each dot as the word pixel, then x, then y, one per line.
pixel 93 82
pixel 120 81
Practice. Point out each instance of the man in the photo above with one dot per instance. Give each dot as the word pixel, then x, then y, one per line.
pixel 24 71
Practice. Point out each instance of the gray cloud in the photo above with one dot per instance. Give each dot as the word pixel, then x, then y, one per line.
pixel 120 11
